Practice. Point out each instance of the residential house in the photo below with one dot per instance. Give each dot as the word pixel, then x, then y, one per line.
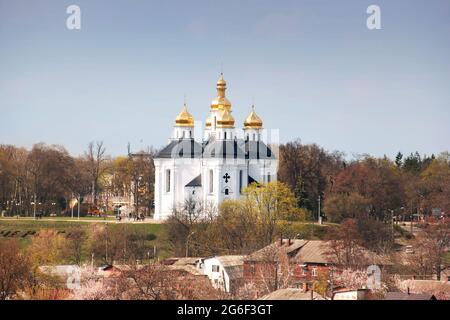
pixel 225 272
pixel 408 296
pixel 303 260
pixel 292 294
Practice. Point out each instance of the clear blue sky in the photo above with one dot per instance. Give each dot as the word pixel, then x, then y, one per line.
pixel 316 72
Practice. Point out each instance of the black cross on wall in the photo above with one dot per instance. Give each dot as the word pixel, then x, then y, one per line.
pixel 226 177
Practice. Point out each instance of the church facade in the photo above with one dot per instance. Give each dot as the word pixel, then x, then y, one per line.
pixel 218 167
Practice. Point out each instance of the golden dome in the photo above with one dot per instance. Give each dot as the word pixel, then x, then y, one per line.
pixel 221 82
pixel 225 119
pixel 221 102
pixel 253 121
pixel 184 118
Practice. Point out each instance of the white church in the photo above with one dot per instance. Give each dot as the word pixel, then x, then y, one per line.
pixel 216 168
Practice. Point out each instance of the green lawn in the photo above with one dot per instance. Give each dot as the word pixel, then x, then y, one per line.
pixel 12 228
pixel 302 230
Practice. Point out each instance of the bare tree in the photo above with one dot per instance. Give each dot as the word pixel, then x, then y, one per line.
pixel 95 156
pixel 432 246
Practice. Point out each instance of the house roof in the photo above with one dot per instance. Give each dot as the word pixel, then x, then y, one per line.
pixel 233 265
pixel 314 251
pixel 186 268
pixel 232 260
pixel 410 296
pixel 186 260
pixel 292 294
pixel 308 252
pixel 270 252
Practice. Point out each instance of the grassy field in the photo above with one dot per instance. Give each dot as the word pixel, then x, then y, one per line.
pixel 21 228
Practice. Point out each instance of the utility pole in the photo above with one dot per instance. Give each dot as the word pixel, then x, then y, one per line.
pixel 72 206
pixel 79 200
pixel 34 206
pixel 392 225
pixel 320 217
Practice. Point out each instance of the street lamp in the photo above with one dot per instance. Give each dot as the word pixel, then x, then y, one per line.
pixel 320 217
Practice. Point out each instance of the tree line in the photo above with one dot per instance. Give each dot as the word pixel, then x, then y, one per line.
pixel 46 178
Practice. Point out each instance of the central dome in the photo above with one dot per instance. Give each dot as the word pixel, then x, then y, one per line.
pixel 221 101
pixel 225 119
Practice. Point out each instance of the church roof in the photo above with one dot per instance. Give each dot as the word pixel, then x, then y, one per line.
pixel 250 180
pixel 229 149
pixel 196 182
pixel 182 148
pixel 223 149
pixel 258 150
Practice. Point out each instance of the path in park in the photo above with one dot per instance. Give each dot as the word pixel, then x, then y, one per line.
pixel 146 221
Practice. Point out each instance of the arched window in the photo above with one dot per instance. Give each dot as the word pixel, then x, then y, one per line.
pixel 225 135
pixel 240 181
pixel 211 181
pixel 168 180
pixel 269 177
pixel 227 191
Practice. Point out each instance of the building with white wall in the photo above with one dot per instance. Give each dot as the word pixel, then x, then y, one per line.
pixel 224 272
pixel 217 167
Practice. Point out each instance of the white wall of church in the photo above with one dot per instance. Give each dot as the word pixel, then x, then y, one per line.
pixel 170 179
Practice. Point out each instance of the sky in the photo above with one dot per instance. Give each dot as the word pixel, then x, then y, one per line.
pixel 312 68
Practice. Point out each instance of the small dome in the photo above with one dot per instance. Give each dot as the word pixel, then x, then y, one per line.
pixel 221 82
pixel 184 118
pixel 253 121
pixel 225 119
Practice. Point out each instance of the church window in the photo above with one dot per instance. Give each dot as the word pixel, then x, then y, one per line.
pixel 269 177
pixel 240 181
pixel 225 135
pixel 227 191
pixel 211 181
pixel 167 180
pixel 254 137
